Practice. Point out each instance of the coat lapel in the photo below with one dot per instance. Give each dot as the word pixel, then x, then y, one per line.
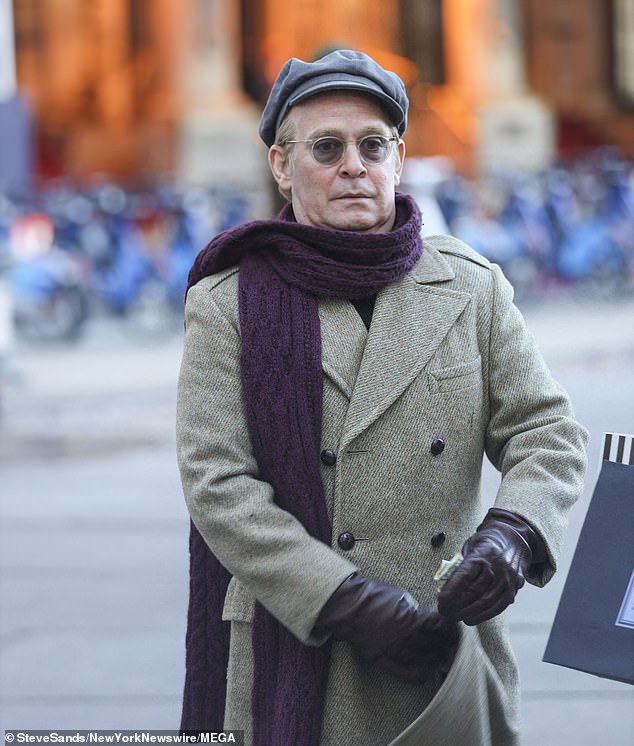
pixel 411 318
pixel 343 338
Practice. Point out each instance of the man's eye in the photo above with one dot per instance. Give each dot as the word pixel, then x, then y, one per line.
pixel 326 145
pixel 373 144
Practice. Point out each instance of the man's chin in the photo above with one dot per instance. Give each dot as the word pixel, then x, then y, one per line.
pixel 358 218
pixel 363 224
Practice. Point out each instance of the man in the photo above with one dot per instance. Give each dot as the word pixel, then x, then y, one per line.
pixel 340 385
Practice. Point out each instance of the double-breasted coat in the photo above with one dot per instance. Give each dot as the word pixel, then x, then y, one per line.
pixel 446 374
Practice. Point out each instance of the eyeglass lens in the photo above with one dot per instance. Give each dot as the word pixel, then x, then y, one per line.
pixel 330 150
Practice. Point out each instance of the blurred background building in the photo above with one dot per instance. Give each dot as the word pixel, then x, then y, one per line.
pixel 138 88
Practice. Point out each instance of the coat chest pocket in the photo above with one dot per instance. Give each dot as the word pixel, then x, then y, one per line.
pixel 454 378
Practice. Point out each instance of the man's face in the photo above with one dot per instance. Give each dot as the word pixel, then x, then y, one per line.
pixel 349 195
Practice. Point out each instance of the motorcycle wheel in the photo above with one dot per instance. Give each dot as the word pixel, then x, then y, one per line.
pixel 60 319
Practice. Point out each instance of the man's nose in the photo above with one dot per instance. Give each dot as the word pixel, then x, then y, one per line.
pixel 351 163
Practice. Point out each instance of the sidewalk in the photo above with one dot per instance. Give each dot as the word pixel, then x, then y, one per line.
pixel 587 332
pixel 590 347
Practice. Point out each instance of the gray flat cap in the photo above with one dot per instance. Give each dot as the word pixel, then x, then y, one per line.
pixel 343 70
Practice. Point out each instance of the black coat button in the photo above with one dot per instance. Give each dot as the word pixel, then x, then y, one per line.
pixel 437 446
pixel 328 457
pixel 346 540
pixel 437 540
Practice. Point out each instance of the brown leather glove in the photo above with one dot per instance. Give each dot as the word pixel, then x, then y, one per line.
pixel 385 625
pixel 496 558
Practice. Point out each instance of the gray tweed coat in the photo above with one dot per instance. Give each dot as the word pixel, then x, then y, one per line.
pixel 447 357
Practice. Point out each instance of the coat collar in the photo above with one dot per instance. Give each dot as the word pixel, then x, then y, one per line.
pixel 411 318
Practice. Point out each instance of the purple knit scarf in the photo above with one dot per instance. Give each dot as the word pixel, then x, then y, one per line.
pixel 284 268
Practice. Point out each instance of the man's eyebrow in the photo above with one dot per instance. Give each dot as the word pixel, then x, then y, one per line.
pixel 371 129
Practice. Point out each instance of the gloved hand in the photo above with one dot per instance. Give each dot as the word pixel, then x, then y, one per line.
pixel 386 625
pixel 496 558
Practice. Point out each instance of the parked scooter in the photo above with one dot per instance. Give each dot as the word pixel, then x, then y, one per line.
pixel 137 270
pixel 47 292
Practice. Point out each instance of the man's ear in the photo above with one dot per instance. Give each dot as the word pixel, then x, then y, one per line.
pixel 281 167
pixel 399 160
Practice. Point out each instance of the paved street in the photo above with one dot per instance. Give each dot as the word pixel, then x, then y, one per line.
pixel 93 534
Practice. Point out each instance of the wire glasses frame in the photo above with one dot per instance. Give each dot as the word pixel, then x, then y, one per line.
pixel 329 150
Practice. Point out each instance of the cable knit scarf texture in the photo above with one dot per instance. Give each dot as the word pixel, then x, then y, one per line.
pixel 284 268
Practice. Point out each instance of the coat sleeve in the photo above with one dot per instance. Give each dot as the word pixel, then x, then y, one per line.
pixel 532 437
pixel 263 546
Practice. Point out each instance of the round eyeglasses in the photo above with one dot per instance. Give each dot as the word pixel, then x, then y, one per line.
pixel 327 151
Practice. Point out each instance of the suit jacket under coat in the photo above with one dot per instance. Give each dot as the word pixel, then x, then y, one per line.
pixel 447 356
